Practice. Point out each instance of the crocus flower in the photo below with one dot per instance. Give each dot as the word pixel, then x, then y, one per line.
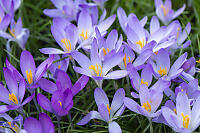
pixel 107 112
pixel 43 125
pixel 165 12
pixel 161 67
pixel 13 96
pixel 30 72
pixel 62 93
pixel 97 69
pixel 10 5
pixel 184 119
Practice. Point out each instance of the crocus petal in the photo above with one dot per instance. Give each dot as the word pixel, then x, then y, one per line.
pixel 103 111
pixel 156 99
pixel 82 71
pixel 84 21
pixel 28 99
pixel 44 102
pixel 163 60
pixel 94 53
pixel 117 74
pixel 51 51
pixel 47 85
pixel 112 39
pixel 113 127
pixel 91 115
pixel 122 18
pixel 4 95
pixel 4 108
pixel 144 94
pixel 154 24
pixel 64 80
pixel 146 74
pixel 82 60
pixel 22 89
pixel 179 11
pixel 5 22
pixel 142 58
pixel 46 123
pixel 32 125
pixel 131 104
pixel 195 114
pixel 103 26
pixel 100 97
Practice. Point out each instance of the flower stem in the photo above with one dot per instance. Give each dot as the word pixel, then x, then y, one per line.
pixel 151 126
pixel 58 119
pixel 128 83
pixel 70 119
pixel 36 105
pixel 74 64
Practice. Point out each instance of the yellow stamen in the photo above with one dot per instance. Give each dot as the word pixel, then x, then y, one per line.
pixel 142 82
pixel 67 44
pixel 104 51
pixel 147 106
pixel 165 10
pixel 96 69
pixel 175 111
pixel 13 98
pixel 124 60
pixel 15 128
pixel 162 72
pixel 186 120
pixel 156 52
pixel 0 19
pixel 60 103
pixel 84 35
pixel 12 32
pixel 198 61
pixel 141 43
pixel 29 77
pixel 59 66
pixel 178 32
pixel 108 108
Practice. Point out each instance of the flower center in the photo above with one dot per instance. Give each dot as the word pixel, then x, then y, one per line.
pixel 142 82
pixel 186 120
pixel 67 44
pixel 162 72
pixel 13 98
pixel 165 10
pixel 141 43
pixel 15 128
pixel 29 77
pixel 104 51
pixel 125 62
pixel 98 72
pixel 59 66
pixel 84 35
pixel 147 106
pixel 60 103
pixel 12 32
pixel 108 108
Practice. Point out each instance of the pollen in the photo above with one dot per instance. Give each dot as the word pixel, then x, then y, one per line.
pixel 141 43
pixel 84 35
pixel 147 106
pixel 198 61
pixel 125 61
pixel 142 82
pixel 97 69
pixel 59 66
pixel 15 128
pixel 108 108
pixel 165 10
pixel 162 72
pixel 175 111
pixel 186 120
pixel 29 76
pixel 67 43
pixel 60 103
pixel 104 51
pixel 12 32
pixel 13 98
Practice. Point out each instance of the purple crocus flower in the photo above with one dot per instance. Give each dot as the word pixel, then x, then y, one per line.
pixel 97 69
pixel 13 96
pixel 30 72
pixel 10 5
pixel 62 93
pixel 43 125
pixel 165 12
pixel 161 66
pixel 106 112
pixel 185 119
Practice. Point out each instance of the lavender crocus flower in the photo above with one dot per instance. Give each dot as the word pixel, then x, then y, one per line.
pixel 13 96
pixel 10 6
pixel 43 125
pixel 161 67
pixel 62 93
pixel 30 72
pixel 97 69
pixel 185 119
pixel 165 12
pixel 106 112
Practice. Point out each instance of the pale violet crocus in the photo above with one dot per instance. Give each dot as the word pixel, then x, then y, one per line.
pixel 186 118
pixel 96 68
pixel 10 5
pixel 107 112
pixel 165 12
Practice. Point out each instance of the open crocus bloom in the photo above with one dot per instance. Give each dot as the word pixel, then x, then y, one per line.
pixel 43 125
pixel 165 12
pixel 10 5
pixel 30 72
pixel 106 112
pixel 184 119
pixel 13 96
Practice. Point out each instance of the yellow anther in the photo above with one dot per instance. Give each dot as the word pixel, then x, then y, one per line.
pixel 13 98
pixel 178 32
pixel 104 51
pixel 162 72
pixel 165 10
pixel 0 19
pixel 12 32
pixel 141 43
pixel 60 103
pixel 67 44
pixel 182 90
pixel 59 66
pixel 198 61
pixel 96 69
pixel 124 60
pixel 29 77
pixel 156 52
pixel 186 120
pixel 147 106
pixel 84 35
pixel 142 82
pixel 108 108
pixel 175 111
pixel 15 128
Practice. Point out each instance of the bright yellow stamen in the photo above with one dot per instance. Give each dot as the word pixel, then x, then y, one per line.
pixel 186 120
pixel 124 60
pixel 29 77
pixel 104 51
pixel 162 72
pixel 178 32
pixel 141 43
pixel 60 103
pixel 198 61
pixel 15 128
pixel 175 111
pixel 156 52
pixel 84 35
pixel 147 106
pixel 165 10
pixel 13 98
pixel 96 69
pixel 108 108
pixel 12 32
pixel 0 19
pixel 67 44
pixel 59 66
pixel 142 82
